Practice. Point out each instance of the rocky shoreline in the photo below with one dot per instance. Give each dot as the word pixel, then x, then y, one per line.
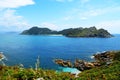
pixel 103 58
pixel 1 56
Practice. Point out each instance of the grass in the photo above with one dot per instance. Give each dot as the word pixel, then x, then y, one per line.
pixel 104 72
pixel 111 72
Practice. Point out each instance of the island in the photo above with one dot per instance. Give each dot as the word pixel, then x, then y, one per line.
pixel 71 32
pixel 38 31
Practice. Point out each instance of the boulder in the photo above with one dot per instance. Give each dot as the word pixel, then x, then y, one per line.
pixel 104 57
pixel 1 56
pixel 83 65
pixel 63 63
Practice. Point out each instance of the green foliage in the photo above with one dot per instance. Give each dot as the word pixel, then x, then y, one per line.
pixel 104 72
pixel 111 72
pixel 117 56
pixel 72 32
pixel 86 32
pixel 37 31
pixel 12 73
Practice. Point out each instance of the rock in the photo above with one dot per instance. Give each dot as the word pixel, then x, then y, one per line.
pixel 39 79
pixel 96 63
pixel 1 56
pixel 104 57
pixel 79 64
pixel 89 65
pixel 63 63
pixel 83 65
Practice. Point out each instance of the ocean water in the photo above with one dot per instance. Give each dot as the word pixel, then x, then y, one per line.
pixel 24 49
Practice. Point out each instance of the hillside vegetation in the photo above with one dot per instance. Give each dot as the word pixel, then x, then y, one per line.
pixel 104 72
pixel 72 32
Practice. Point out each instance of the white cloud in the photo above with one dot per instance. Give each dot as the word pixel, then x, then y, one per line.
pixel 50 25
pixel 113 26
pixel 10 21
pixel 67 18
pixel 15 3
pixel 78 13
pixel 97 12
pixel 83 18
pixel 64 0
pixel 84 1
pixel 91 13
pixel 60 0
pixel 66 26
pixel 81 1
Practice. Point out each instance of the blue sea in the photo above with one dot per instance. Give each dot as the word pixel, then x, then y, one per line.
pixel 24 49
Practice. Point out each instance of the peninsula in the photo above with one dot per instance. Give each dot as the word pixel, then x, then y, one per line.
pixel 71 32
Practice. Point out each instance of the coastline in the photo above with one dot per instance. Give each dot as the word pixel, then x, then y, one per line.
pixel 2 56
pixel 103 72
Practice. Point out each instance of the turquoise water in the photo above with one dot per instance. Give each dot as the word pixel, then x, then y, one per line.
pixel 70 70
pixel 25 49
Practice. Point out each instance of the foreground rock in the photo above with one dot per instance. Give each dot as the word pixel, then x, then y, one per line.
pixel 104 58
pixel 63 63
pixel 79 64
pixel 1 56
pixel 83 65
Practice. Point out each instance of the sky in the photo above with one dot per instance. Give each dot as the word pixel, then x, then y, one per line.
pixel 19 15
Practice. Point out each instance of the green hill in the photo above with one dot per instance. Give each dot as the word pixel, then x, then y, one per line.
pixel 85 32
pixel 38 31
pixel 72 32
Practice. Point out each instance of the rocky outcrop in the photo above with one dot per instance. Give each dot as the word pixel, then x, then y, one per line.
pixel 79 64
pixel 83 65
pixel 63 63
pixel 1 56
pixel 103 58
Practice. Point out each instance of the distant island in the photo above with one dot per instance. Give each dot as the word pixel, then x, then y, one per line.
pixel 71 32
